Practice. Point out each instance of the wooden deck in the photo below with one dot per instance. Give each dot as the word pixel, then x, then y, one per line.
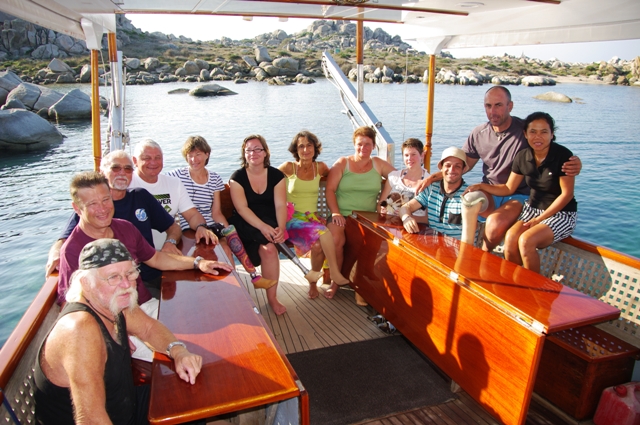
pixel 310 324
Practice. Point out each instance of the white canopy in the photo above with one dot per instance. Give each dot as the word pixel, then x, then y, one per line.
pixel 446 23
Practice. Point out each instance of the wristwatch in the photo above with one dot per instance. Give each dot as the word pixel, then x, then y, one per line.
pixel 173 344
pixel 196 261
pixel 173 241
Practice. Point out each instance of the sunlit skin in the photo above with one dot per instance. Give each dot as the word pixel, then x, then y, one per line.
pixel 360 162
pixel 498 108
pixel 306 150
pixel 539 137
pixel 197 160
pixel 452 170
pixel 149 164
pixel 95 208
pixel 119 179
pixel 411 175
pixel 255 154
pixel 523 239
pixel 412 158
pixel 113 299
pixel 305 170
pixel 363 148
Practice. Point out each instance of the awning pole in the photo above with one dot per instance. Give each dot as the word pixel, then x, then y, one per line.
pixel 430 96
pixel 116 108
pixel 95 111
pixel 360 58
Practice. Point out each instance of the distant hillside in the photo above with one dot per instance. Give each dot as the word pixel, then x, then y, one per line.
pixel 27 49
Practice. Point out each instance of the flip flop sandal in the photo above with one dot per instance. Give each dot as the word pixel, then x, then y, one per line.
pixel 377 319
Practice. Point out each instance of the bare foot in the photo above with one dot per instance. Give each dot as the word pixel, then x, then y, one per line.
pixel 313 276
pixel 360 301
pixel 339 279
pixel 277 308
pixel 332 291
pixel 313 291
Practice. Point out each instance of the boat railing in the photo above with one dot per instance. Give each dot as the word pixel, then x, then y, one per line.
pixel 607 275
pixel 357 111
pixel 19 352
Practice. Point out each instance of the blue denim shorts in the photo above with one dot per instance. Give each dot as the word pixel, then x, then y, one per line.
pixel 499 201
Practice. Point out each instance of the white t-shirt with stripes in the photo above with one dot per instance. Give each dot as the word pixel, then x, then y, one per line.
pixel 200 194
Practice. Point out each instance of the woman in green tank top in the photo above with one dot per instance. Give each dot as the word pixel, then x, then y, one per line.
pixel 353 185
pixel 306 228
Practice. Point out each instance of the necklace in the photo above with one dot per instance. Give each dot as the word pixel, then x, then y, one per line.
pixel 113 322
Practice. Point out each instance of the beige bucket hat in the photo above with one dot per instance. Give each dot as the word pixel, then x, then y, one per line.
pixel 456 153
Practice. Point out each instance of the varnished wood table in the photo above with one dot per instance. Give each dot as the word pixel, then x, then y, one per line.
pixel 243 367
pixel 481 319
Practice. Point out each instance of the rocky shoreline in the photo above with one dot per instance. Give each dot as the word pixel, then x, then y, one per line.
pixel 279 58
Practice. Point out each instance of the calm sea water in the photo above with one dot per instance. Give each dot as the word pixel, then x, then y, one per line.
pixel 602 128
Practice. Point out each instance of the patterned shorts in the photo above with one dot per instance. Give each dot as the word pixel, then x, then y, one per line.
pixel 561 223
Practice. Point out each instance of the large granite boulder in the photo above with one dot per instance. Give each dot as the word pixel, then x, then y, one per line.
pixel 552 96
pixel 56 65
pixel 191 68
pixel 151 63
pixel 262 55
pixel 287 63
pixel 34 97
pixel 8 82
pixel 74 106
pixel 202 64
pixel 85 74
pixel 533 80
pixel 132 63
pixel 250 61
pixel 204 90
pixel 24 131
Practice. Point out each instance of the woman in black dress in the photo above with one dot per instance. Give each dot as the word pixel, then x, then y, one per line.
pixel 259 196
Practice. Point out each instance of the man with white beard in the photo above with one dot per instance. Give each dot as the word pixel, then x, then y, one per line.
pixel 93 204
pixel 136 206
pixel 83 368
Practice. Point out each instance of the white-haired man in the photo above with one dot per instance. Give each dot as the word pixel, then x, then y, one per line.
pixel 136 206
pixel 91 200
pixel 167 190
pixel 83 368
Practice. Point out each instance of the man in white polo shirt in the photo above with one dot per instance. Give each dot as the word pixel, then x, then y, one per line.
pixel 169 191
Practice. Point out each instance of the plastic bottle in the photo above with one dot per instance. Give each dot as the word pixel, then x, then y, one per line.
pixel 619 405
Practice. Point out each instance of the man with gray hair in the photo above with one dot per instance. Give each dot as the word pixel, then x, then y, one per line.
pixel 136 206
pixel 83 367
pixel 93 204
pixel 168 191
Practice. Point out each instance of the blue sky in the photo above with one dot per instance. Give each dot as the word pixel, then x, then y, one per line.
pixel 214 27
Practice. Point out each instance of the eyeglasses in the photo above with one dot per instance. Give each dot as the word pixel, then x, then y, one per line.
pixel 250 151
pixel 117 168
pixel 116 278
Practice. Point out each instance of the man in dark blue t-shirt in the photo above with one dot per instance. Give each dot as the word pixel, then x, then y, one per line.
pixel 136 206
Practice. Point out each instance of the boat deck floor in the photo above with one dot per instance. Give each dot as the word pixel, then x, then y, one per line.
pixel 310 324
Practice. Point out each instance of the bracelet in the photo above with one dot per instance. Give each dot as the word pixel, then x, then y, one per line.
pixel 173 344
pixel 172 241
pixel 201 225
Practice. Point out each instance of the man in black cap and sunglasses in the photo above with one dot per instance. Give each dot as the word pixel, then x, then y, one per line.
pixel 83 368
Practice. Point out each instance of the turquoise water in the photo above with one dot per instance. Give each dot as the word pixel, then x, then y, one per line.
pixel 602 128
